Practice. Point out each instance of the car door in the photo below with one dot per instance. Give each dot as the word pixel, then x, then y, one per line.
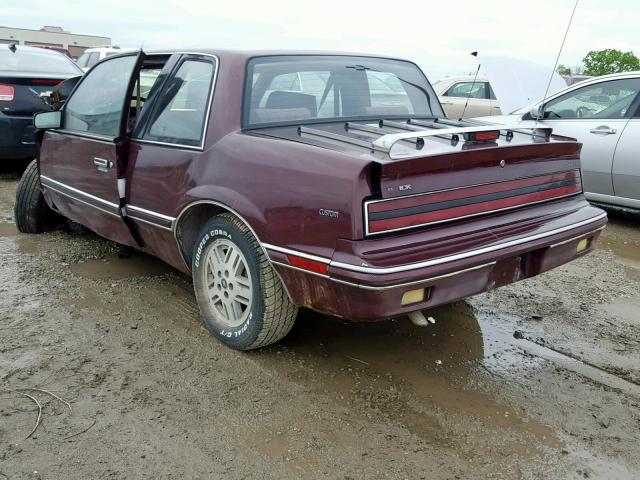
pixel 596 115
pixel 494 104
pixel 83 163
pixel 626 165
pixel 471 94
pixel 166 143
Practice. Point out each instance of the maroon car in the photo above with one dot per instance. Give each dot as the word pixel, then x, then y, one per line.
pixel 289 179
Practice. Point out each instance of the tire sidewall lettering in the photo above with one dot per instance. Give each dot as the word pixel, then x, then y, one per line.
pixel 211 234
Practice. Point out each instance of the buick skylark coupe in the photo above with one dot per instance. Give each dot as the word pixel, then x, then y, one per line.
pixel 282 180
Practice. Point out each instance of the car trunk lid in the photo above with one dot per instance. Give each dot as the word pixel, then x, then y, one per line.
pixel 427 172
pixel 22 96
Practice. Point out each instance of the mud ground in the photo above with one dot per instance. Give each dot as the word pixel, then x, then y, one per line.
pixel 152 395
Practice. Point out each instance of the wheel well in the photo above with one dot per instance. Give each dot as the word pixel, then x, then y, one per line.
pixel 190 223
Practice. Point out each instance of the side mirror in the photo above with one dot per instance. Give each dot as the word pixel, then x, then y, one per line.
pixel 47 120
pixel 537 111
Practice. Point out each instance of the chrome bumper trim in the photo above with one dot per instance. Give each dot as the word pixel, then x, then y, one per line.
pixel 463 255
pixel 435 261
pixel 391 286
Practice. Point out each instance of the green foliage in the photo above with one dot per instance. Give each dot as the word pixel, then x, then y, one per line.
pixel 602 62
pixel 563 70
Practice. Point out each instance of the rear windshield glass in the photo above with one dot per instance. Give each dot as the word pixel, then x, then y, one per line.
pixel 38 60
pixel 311 89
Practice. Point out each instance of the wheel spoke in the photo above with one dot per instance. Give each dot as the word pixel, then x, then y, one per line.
pixel 211 266
pixel 227 255
pixel 237 309
pixel 243 294
pixel 237 263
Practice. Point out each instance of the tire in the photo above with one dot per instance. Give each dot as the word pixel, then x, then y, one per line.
pixel 242 300
pixel 31 212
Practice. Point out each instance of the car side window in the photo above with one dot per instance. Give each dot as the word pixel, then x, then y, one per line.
pixel 179 116
pixel 605 100
pixel 466 89
pixel 83 59
pixel 96 105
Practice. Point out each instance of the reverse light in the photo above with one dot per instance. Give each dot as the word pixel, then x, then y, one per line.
pixel 413 296
pixel 307 264
pixel 582 245
pixel 6 93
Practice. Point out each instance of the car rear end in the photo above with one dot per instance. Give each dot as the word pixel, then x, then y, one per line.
pixel 26 76
pixel 485 207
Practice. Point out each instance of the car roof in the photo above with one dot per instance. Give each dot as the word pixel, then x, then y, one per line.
pixel 109 49
pixel 247 54
pixel 464 78
pixel 42 51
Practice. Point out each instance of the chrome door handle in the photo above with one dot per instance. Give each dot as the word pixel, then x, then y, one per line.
pixel 604 131
pixel 102 164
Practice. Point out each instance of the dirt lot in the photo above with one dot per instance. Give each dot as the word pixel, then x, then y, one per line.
pixel 152 395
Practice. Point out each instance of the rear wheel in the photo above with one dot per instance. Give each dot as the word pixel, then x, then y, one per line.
pixel 31 212
pixel 241 298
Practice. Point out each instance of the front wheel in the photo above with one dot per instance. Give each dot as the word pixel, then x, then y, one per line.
pixel 241 298
pixel 31 212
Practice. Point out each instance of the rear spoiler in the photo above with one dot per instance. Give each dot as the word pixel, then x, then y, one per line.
pixel 416 133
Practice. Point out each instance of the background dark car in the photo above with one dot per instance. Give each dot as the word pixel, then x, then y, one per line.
pixel 25 74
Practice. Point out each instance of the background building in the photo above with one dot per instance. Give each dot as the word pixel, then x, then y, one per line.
pixel 54 36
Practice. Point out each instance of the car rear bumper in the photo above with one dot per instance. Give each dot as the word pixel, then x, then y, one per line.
pixel 16 137
pixel 366 280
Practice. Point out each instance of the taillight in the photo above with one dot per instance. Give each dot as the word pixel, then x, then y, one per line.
pixel 6 93
pixel 442 206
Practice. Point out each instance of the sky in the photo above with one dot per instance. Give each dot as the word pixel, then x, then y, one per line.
pixel 439 36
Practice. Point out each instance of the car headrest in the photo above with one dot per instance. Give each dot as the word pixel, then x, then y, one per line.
pixel 387 110
pixel 284 99
pixel 272 115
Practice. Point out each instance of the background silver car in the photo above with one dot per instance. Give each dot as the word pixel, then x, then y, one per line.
pixel 604 114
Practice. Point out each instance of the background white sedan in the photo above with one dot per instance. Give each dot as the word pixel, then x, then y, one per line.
pixel 604 114
pixel 454 91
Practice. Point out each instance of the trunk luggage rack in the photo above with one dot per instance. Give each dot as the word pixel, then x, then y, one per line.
pixel 417 130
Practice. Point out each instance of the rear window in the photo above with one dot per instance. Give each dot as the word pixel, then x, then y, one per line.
pixel 310 89
pixel 38 60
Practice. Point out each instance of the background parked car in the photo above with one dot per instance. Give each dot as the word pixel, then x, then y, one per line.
pixel 26 75
pixel 91 56
pixel 604 114
pixel 62 50
pixel 454 91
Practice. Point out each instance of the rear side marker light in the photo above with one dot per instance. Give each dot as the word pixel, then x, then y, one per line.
pixel 310 265
pixel 6 93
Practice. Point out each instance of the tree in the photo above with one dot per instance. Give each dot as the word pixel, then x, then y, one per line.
pixel 601 62
pixel 563 70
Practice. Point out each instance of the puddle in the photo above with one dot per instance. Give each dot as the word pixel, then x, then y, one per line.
pixel 8 230
pixel 116 268
pixel 423 376
pixel 622 238
pixel 589 371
